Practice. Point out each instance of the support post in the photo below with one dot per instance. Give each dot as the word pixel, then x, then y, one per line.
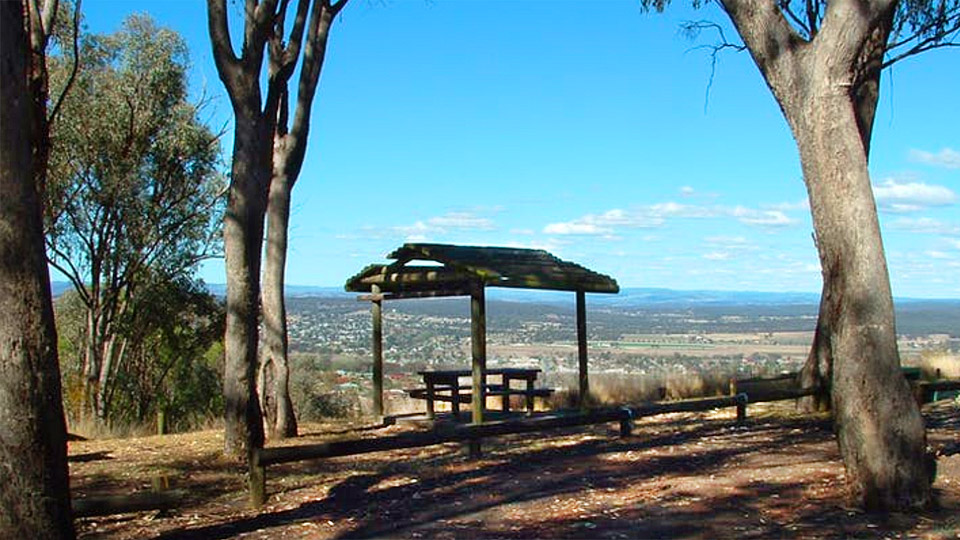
pixel 431 392
pixel 478 336
pixel 257 480
pixel 741 400
pixel 582 348
pixel 377 346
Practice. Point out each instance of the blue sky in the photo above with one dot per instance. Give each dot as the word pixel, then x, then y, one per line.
pixel 584 128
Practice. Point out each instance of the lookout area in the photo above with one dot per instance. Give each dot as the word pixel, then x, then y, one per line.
pixel 442 270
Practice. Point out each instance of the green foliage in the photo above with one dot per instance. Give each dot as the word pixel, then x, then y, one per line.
pixel 133 171
pixel 174 361
pixel 316 389
pixel 134 203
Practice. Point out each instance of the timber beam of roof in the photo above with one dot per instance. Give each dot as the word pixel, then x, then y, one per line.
pixel 463 268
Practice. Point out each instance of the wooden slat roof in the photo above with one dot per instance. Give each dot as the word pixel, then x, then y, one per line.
pixel 462 267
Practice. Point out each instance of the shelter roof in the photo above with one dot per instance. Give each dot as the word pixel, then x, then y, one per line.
pixel 445 270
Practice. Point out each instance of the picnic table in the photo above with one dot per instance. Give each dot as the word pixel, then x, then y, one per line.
pixel 444 385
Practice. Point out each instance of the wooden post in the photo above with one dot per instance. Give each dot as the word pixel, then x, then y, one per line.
pixel 431 392
pixel 377 313
pixel 582 347
pixel 455 404
pixel 161 421
pixel 478 336
pixel 257 480
pixel 733 386
pixel 505 399
pixel 529 396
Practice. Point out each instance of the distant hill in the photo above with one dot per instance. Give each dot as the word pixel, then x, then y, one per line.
pixel 630 297
pixel 728 310
pixel 59 287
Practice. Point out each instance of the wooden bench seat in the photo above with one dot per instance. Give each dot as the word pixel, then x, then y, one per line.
pixel 464 395
pixel 421 393
pixel 538 392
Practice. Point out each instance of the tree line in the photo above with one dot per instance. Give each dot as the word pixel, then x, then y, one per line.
pixel 128 200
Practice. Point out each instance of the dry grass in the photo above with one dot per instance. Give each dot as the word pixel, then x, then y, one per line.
pixel 945 364
pixel 625 388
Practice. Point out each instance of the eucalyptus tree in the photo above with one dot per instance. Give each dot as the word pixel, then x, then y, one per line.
pixel 34 483
pixel 134 193
pixel 822 62
pixel 289 149
pixel 267 156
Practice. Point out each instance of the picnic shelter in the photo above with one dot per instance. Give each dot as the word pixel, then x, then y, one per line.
pixel 442 270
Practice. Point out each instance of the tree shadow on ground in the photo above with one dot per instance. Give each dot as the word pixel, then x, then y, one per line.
pixel 403 494
pixel 90 456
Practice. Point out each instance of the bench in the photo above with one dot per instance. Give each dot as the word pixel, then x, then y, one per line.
pixel 456 395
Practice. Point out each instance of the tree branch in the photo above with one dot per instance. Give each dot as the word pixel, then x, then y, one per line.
pixel 942 32
pixel 223 54
pixel 76 65
pixel 843 39
pixel 770 39
pixel 692 29
pixel 313 56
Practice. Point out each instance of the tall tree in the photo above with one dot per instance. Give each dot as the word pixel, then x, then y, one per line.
pixel 815 77
pixel 34 484
pixel 289 148
pixel 134 191
pixel 255 132
pixel 906 29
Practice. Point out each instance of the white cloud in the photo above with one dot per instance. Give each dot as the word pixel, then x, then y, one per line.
pixel 461 220
pixel 656 215
pixel 687 191
pixel 911 196
pixel 946 157
pixel 417 228
pixel 954 243
pixel 925 225
pixel 762 218
pixel 576 227
pixel 735 242
pixel 603 224
pixel 672 209
pixel 938 255
pixel 458 221
pixel 802 204
pixel 717 256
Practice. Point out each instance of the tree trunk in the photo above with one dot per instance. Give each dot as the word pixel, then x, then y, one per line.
pixel 242 238
pixel 280 418
pixel 865 93
pixel 879 427
pixel 34 484
pixel 815 373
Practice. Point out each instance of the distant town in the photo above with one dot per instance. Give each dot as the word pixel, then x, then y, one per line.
pixel 658 341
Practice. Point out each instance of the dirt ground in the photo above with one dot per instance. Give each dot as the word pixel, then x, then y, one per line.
pixel 686 475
